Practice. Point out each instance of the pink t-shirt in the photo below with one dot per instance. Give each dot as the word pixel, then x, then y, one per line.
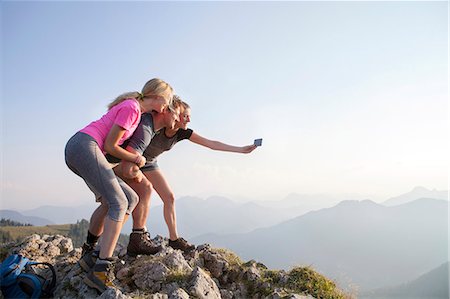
pixel 126 115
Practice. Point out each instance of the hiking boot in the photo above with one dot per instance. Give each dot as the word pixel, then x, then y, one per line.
pixel 88 257
pixel 87 261
pixel 181 244
pixel 86 248
pixel 101 275
pixel 140 243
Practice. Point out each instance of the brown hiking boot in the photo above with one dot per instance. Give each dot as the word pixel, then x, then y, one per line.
pixel 140 243
pixel 101 275
pixel 181 244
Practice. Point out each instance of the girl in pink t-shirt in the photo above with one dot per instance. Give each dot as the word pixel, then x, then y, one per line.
pixel 84 155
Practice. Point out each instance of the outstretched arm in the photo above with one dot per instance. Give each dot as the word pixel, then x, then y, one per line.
pixel 219 146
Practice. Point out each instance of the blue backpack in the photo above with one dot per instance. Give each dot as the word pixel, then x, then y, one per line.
pixel 19 280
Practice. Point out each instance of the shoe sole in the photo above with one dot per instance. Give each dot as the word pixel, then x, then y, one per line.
pixel 93 285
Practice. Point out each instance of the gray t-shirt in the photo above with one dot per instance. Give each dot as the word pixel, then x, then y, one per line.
pixel 149 143
pixel 141 137
pixel 161 143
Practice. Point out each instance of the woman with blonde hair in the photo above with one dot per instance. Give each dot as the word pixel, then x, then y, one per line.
pixel 164 141
pixel 85 156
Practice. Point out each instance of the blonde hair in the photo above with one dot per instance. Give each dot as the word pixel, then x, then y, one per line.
pixel 153 87
pixel 176 102
pixel 182 103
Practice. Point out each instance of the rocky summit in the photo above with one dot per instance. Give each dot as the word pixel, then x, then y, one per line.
pixel 205 272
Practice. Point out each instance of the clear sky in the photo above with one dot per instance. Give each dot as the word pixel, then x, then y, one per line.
pixel 350 97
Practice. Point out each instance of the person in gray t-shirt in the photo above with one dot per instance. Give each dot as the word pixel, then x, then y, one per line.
pixel 163 141
pixel 148 126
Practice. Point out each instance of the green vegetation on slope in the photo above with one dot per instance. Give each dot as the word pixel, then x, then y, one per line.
pixel 8 222
pixel 17 233
pixel 300 280
pixel 77 232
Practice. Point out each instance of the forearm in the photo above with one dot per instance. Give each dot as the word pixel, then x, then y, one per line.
pixel 129 169
pixel 113 148
pixel 121 153
pixel 219 146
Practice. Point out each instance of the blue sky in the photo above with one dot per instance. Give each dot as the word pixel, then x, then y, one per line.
pixel 350 97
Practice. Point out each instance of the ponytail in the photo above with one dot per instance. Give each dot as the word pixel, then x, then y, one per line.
pixel 153 87
pixel 134 95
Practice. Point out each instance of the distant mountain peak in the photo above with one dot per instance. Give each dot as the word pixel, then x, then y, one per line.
pixel 420 189
pixel 361 203
pixel 417 193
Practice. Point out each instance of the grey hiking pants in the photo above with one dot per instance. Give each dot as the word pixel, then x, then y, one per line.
pixel 84 158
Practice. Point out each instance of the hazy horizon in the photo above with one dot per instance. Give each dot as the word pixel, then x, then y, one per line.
pixel 349 97
pixel 328 200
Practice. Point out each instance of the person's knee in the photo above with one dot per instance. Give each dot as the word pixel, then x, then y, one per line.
pixel 133 200
pixel 147 185
pixel 147 189
pixel 144 191
pixel 118 209
pixel 169 200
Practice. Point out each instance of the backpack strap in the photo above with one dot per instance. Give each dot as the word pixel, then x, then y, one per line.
pixel 11 268
pixel 47 289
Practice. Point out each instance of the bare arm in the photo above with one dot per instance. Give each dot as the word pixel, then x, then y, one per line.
pixel 129 170
pixel 219 146
pixel 112 146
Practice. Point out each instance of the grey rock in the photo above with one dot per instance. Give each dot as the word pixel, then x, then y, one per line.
pixel 253 273
pixel 52 250
pixel 149 276
pixel 170 287
pixel 282 294
pixel 226 294
pixel 176 261
pixel 179 294
pixel 66 245
pixel 158 240
pixel 215 263
pixel 203 247
pixel 202 286
pixel 158 296
pixel 123 273
pixel 112 293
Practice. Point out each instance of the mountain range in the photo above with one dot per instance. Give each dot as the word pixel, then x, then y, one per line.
pixel 218 215
pixel 354 242
pixel 431 285
pixel 226 215
pixel 416 193
pixel 62 215
pixel 16 216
